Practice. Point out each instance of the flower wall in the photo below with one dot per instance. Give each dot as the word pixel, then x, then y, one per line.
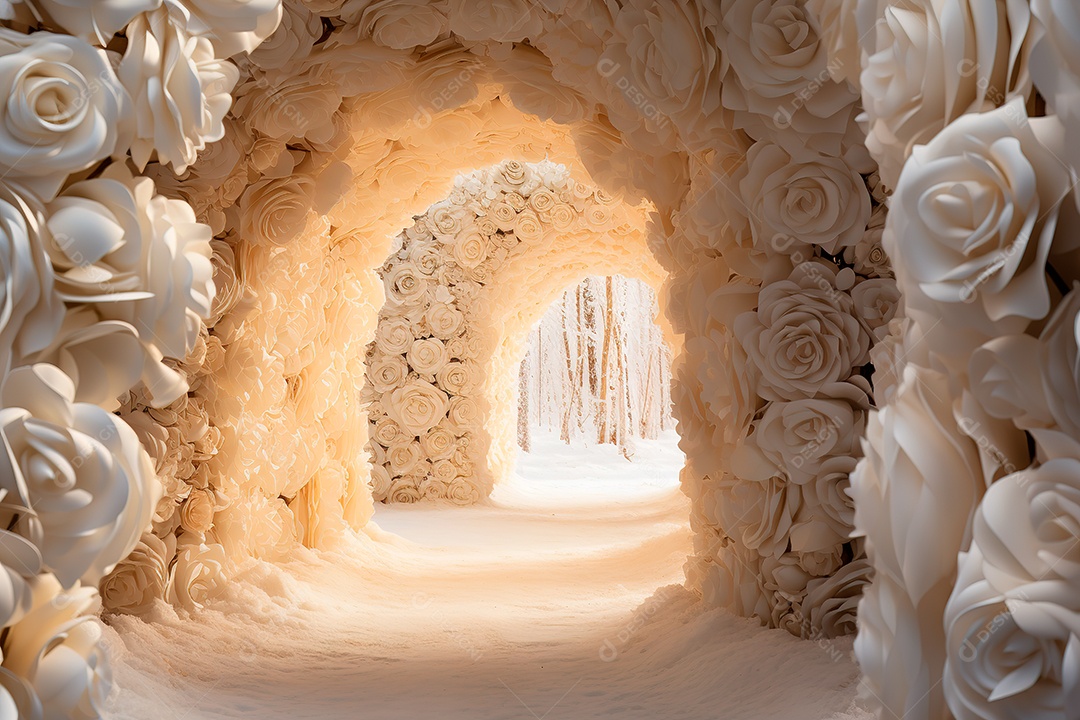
pixel 469 279
pixel 190 283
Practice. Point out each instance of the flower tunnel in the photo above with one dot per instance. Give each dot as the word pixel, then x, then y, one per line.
pixel 268 263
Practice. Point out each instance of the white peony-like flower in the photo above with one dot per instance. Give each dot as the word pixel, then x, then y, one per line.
pixel 417 407
pixel 85 488
pixel 63 109
pixel 179 86
pixel 932 61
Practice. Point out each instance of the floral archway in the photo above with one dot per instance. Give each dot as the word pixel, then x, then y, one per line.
pixel 463 286
pixel 294 141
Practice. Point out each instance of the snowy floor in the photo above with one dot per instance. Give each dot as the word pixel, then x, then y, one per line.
pixel 557 600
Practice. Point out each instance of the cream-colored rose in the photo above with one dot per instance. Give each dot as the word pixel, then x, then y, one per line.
pixel 799 435
pixel 438 443
pixel 461 491
pixel 402 457
pixel 932 61
pixel 395 24
pixel 89 484
pixel 197 512
pixel 140 578
pixel 972 219
pixel 804 335
pixel 526 74
pixel 758 514
pixel 380 482
pixel 798 201
pixel 444 470
pixel 829 607
pixel 405 284
pixel 63 109
pixel 276 210
pixel 417 407
pixel 198 575
pixel 868 257
pixel 444 320
pixel 463 413
pixel 185 112
pixel 96 21
pixel 470 249
pixel 457 378
pixel 503 21
pixel 387 431
pixel 404 490
pixel 293 39
pixel 388 372
pixel 393 336
pixel 527 226
pixel 427 356
pixel 503 215
pixel 288 108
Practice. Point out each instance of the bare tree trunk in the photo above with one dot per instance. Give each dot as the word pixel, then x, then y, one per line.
pixel 523 402
pixel 568 397
pixel 606 427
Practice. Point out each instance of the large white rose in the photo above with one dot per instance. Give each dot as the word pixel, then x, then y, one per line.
pixel 931 61
pixel 829 607
pixel 759 515
pixel 55 651
pixel 180 87
pixel 417 407
pixel 388 372
pixel 427 356
pixel 94 21
pixel 914 493
pixel 85 486
pixel 234 26
pixel 393 336
pixel 31 312
pixel 973 217
pixel 444 320
pixel 63 108
pixel 778 80
pixel 457 378
pixel 804 335
pixel 797 202
pixel 799 435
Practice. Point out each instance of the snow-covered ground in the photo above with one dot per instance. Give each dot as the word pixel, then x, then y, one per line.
pixel 560 598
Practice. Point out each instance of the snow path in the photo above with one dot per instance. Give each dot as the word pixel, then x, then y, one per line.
pixel 552 601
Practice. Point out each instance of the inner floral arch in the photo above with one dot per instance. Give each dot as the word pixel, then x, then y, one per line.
pixel 465 283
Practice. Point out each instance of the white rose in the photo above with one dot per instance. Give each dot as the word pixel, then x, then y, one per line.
pixel 876 303
pixel 386 431
pixel 758 514
pixel 804 335
pixel 293 39
pixel 932 61
pixel 799 435
pixel 463 413
pixel 526 75
pixel 198 575
pixel 193 86
pixel 830 604
pixel 55 650
pixel 797 202
pixel 417 407
pixel 140 578
pixel 94 21
pixel 405 285
pixel 197 512
pixel 63 108
pixel 777 75
pixel 276 210
pixel 973 217
pixel 234 25
pixel 662 41
pixel 31 312
pixel 427 356
pixel 88 483
pixel 403 490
